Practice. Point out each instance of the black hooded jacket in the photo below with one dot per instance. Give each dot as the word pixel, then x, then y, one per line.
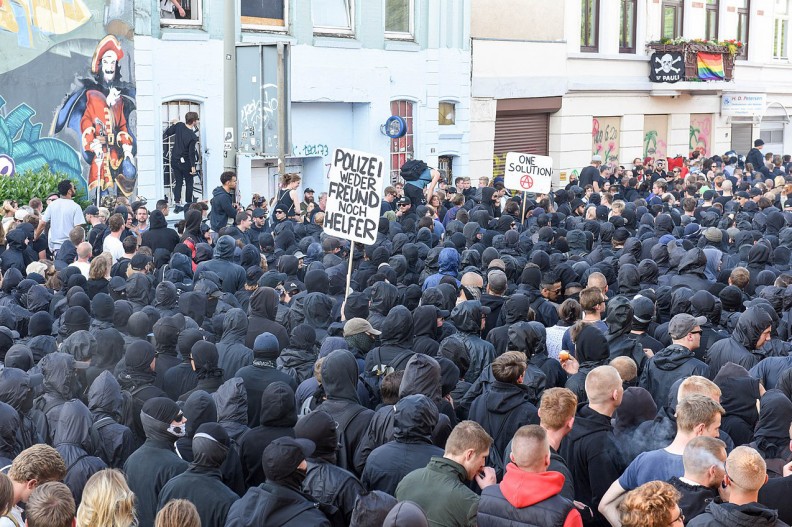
pixel 592 350
pixel 232 275
pixel 771 437
pixel 739 394
pixel 298 359
pixel 59 387
pixel 397 342
pixel 159 235
pixel 263 309
pixel 426 330
pixel 740 346
pixel 234 354
pixel 414 419
pixel 727 514
pixel 621 342
pixel 278 417
pixel 10 422
pixel 105 402
pixel 668 366
pixel 466 317
pixel 73 443
pixel 16 391
pixel 384 297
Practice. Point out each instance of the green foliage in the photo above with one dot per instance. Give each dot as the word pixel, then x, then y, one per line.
pixel 37 184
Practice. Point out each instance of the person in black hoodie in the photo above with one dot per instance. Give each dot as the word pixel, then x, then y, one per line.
pixel 280 500
pixel 505 407
pixel 384 297
pixel 73 443
pixel 232 275
pixel 166 335
pixel 621 342
pixel 531 339
pixel 155 463
pixel 204 362
pixel 415 418
pixel 427 321
pixel 137 378
pixel 677 361
pixel 298 359
pixel 753 329
pixel 468 317
pixel 739 395
pixel 9 425
pixel 278 417
pixel 590 449
pixel 159 235
pixel 516 308
pixel 233 353
pixel 105 403
pixel 771 437
pixel 59 387
pixel 262 373
pixel 232 402
pixel 591 350
pixel 339 379
pixel 705 304
pixel 261 318
pixel 334 487
pixel 222 207
pixel 397 343
pixel 201 483
pixel 16 390
pixel 166 299
pixel 102 309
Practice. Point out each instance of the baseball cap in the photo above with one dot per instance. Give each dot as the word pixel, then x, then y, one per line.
pixel 758 142
pixel 451 190
pixel 643 309
pixel 709 194
pixel 139 262
pixel 743 194
pixel 497 263
pixel 713 234
pixel 91 210
pixel 283 455
pixel 258 213
pixel 596 158
pixel 291 286
pixel 299 255
pixel 355 326
pixel 755 192
pixel 272 279
pixel 117 284
pixel 309 190
pixel 21 214
pixel 404 201
pixel 278 208
pixel 682 324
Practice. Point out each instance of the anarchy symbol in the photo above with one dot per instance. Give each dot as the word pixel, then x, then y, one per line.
pixel 526 181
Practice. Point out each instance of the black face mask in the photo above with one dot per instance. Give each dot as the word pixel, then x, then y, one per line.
pixel 294 480
pixel 27 402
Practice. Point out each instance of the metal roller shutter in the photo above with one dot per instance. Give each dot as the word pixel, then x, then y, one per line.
pixel 519 133
pixel 741 140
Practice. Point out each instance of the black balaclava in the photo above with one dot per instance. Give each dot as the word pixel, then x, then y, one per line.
pixel 204 355
pixel 102 307
pixel 157 415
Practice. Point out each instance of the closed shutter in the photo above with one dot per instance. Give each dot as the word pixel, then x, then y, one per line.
pixel 741 138
pixel 525 133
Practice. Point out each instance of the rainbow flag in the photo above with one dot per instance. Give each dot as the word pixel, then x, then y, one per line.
pixel 710 66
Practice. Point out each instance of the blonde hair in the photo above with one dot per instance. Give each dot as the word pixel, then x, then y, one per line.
pixel 626 367
pixel 558 405
pixel 649 505
pixel 700 385
pixel 696 409
pixel 467 435
pixel 40 462
pixel 178 513
pixel 746 468
pixel 100 267
pixel 107 501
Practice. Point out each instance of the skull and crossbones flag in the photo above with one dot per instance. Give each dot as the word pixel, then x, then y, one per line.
pixel 666 67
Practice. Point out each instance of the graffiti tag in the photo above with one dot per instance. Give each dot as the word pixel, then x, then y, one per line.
pixel 310 150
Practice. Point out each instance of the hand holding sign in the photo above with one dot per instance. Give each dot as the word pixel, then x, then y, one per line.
pixel 528 173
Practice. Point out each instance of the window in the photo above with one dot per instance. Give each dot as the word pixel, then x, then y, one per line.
pixel 711 20
pixel 333 16
pixel 781 29
pixel 447 113
pixel 673 11
pixel 743 14
pixel 589 25
pixel 171 16
pixel 264 14
pixel 627 26
pixel 172 112
pixel 399 19
pixel 401 149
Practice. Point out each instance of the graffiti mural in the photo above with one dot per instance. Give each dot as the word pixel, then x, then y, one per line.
pixel 700 133
pixel 655 141
pixel 81 48
pixel 605 138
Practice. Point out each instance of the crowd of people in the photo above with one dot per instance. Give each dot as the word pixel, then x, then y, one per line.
pixel 614 353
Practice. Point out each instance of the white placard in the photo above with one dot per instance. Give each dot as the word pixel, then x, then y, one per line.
pixel 528 173
pixel 357 180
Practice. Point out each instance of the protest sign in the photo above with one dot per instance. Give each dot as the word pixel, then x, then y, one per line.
pixel 528 173
pixel 357 180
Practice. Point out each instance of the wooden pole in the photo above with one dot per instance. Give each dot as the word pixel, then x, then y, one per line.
pixel 525 198
pixel 349 271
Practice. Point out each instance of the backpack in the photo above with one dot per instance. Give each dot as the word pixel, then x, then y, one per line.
pixel 100 449
pixel 128 406
pixel 372 379
pixel 412 170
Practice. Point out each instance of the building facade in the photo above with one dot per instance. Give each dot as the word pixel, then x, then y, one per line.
pixel 577 83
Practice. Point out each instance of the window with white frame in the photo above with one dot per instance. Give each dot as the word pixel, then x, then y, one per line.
pixel 333 17
pixel 402 148
pixel 186 13
pixel 743 18
pixel 781 29
pixel 264 15
pixel 711 20
pixel 399 19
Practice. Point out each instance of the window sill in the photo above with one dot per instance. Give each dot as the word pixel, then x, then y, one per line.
pixel 618 56
pixel 324 41
pixel 450 134
pixel 184 33
pixel 401 45
pixel 257 37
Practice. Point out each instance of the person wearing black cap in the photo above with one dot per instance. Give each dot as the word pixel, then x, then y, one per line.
pixel 137 378
pixel 201 483
pixel 280 500
pixel 155 463
pixel 204 361
pixel 404 210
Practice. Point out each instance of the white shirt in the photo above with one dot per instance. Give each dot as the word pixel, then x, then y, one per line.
pixel 62 215
pixel 114 246
pixel 82 266
pixel 16 514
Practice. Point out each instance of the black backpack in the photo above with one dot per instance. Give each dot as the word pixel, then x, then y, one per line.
pixel 372 379
pixel 96 439
pixel 412 170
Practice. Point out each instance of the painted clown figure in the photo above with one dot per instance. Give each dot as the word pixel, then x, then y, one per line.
pixel 99 112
